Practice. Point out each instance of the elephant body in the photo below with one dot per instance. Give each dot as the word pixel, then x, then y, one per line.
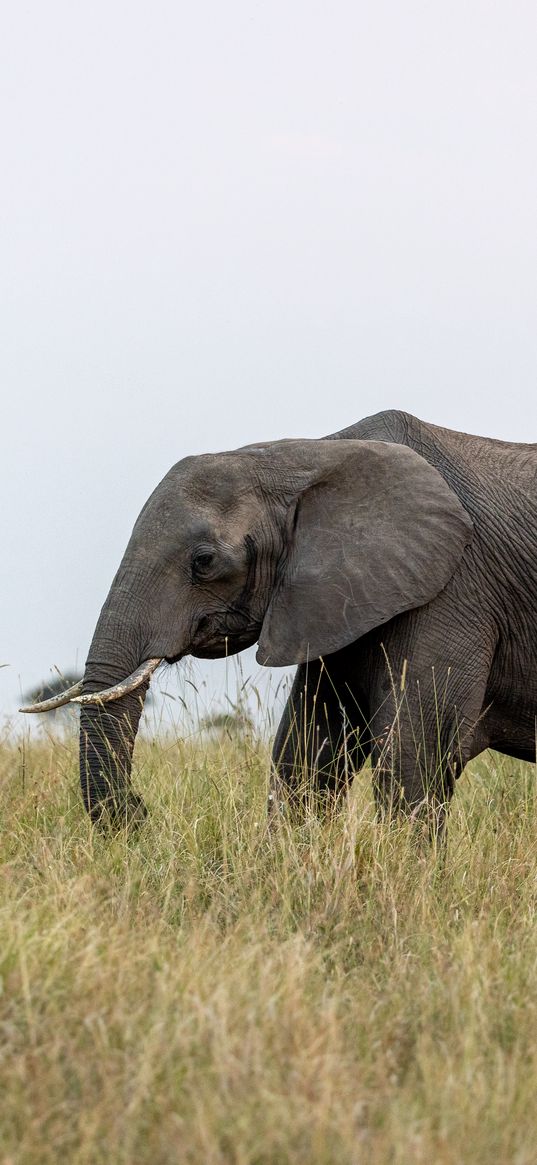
pixel 395 562
pixel 468 657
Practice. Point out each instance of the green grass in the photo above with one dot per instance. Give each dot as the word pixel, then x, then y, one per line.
pixel 206 993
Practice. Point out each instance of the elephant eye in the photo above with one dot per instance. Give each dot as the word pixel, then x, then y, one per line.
pixel 202 562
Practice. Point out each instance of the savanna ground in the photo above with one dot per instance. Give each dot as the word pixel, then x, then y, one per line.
pixel 204 993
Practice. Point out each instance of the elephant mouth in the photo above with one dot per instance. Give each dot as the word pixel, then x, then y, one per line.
pixel 212 641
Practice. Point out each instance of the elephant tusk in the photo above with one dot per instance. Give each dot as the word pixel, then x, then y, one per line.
pixel 55 701
pixel 123 688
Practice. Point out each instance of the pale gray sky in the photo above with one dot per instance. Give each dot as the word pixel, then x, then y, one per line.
pixel 223 223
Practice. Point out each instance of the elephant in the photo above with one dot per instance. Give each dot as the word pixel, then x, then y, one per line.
pixel 395 562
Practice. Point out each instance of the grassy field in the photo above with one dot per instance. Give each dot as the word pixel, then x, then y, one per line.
pixel 203 993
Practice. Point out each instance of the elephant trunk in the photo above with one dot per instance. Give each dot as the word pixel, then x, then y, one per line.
pixel 108 732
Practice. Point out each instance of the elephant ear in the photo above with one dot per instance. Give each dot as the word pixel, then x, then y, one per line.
pixel 375 531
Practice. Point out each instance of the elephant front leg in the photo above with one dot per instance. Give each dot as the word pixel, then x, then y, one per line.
pixel 427 698
pixel 412 778
pixel 418 755
pixel 317 746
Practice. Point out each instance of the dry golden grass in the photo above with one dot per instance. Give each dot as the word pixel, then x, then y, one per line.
pixel 204 993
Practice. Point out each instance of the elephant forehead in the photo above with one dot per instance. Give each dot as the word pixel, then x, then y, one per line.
pixel 201 496
pixel 216 482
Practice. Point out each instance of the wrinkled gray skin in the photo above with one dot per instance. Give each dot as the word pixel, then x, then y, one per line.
pixel 403 554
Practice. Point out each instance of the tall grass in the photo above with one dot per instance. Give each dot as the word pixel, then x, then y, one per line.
pixel 205 992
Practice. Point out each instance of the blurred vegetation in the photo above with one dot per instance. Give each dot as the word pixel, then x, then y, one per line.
pixel 237 721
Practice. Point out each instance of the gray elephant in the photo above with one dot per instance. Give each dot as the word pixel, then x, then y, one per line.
pixel 395 562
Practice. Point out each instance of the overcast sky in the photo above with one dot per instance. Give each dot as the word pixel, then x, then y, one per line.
pixel 223 223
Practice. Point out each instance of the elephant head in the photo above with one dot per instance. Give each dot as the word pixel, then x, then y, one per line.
pixel 302 546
